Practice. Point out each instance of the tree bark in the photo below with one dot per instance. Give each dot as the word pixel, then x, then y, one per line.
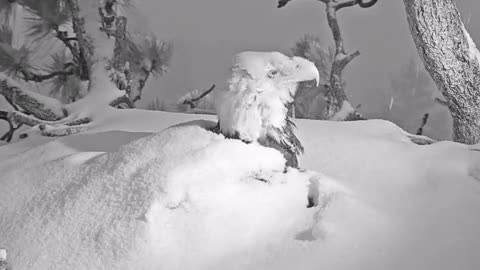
pixel 452 59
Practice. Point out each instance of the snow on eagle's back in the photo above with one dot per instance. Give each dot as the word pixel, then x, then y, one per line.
pixel 262 86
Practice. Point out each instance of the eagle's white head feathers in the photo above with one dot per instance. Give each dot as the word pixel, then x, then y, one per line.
pixel 262 85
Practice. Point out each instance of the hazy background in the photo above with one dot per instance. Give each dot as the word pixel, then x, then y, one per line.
pixel 207 33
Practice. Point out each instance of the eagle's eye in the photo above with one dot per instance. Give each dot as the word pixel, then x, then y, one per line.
pixel 272 74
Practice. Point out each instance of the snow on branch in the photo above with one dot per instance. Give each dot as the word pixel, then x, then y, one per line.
pixel 41 107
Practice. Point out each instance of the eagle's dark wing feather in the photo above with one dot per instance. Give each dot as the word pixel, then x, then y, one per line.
pixel 284 140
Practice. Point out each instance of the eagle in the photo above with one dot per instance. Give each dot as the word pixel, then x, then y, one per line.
pixel 255 105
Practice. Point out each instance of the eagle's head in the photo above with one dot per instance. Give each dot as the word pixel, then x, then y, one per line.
pixel 260 90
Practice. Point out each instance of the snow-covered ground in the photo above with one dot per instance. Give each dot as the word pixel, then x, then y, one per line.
pixel 135 193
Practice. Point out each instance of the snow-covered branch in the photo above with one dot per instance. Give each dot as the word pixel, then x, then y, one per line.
pixel 41 107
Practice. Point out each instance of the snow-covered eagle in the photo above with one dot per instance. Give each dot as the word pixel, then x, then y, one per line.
pixel 254 107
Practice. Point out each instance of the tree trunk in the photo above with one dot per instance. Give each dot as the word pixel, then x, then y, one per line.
pixel 452 59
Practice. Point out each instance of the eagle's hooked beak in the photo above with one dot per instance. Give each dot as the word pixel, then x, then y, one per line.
pixel 305 70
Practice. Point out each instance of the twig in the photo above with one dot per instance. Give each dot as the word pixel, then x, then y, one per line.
pixel 192 101
pixel 441 102
pixel 424 122
pixel 141 84
pixel 7 137
pixel 363 4
pixel 204 93
pixel 346 4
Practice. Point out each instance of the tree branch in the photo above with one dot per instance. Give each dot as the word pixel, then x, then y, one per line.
pixel 192 101
pixel 66 41
pixel 6 116
pixel 141 84
pixel 334 27
pixel 345 4
pixel 85 49
pixel 424 122
pixel 62 130
pixel 123 102
pixel 441 102
pixel 351 3
pixel 44 108
pixel 363 4
pixel 30 76
pixel 345 60
pixel 204 93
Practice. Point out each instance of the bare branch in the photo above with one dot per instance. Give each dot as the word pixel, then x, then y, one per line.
pixel 363 4
pixel 344 61
pixel 424 122
pixel 8 136
pixel 192 101
pixel 345 4
pixel 441 102
pixel 334 27
pixel 204 93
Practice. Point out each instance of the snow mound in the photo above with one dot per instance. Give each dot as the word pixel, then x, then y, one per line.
pixel 185 198
pixel 118 197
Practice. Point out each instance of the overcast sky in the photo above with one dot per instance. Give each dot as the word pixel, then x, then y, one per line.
pixel 207 33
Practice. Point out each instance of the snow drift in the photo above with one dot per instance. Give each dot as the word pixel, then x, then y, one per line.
pixel 186 198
